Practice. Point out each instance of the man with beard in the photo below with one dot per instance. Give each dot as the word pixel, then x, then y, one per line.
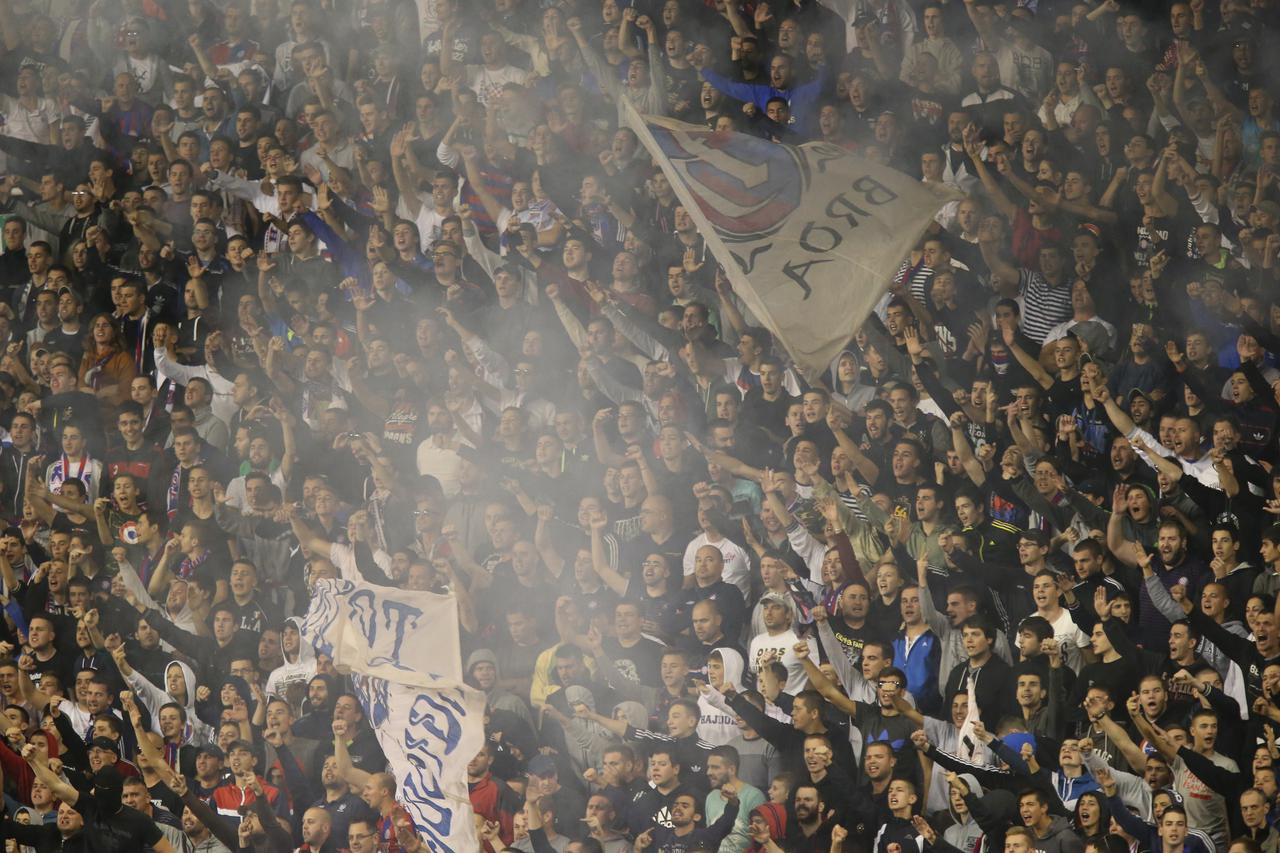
pixel 492 798
pixel 342 805
pixel 1173 565
pixel 686 815
pixel 196 827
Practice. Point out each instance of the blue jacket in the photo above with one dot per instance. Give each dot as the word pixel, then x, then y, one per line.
pixel 802 99
pixel 921 668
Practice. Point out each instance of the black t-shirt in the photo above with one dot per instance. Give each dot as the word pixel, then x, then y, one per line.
pixel 141 463
pixel 733 610
pixel 218 564
pixel 1064 397
pixel 123 832
pixel 631 556
pixel 249 616
pixel 63 523
pixel 80 408
pixel 72 343
pixel 640 663
pixel 664 611
pixel 59 664
pixel 878 728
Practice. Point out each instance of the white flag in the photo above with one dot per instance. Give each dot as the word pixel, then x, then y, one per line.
pixel 402 651
pixel 809 235
pixel 396 634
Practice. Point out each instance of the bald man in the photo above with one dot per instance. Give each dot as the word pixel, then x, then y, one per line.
pixel 317 832
pixel 709 585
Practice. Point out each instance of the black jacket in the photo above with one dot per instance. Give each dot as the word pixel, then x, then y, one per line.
pixel 994 688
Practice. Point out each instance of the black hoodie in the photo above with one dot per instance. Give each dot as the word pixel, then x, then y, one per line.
pixel 317 723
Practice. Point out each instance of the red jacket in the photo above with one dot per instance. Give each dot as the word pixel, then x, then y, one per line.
pixel 495 800
pixel 227 799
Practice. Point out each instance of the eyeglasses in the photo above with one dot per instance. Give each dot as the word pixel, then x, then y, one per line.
pixel 522 371
pixel 359 836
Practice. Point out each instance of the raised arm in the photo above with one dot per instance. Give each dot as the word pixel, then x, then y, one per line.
pixel 348 771
pixel 40 766
pixel 600 560
pixel 1003 204
pixel 404 178
pixel 1031 365
pixel 824 685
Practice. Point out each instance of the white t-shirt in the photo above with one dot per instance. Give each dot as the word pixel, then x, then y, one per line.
pixel 442 463
pixel 1070 639
pixel 784 644
pixel 487 84
pixel 737 567
pixel 30 125
pixel 430 224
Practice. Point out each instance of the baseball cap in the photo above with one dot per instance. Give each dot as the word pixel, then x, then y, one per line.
pixel 776 598
pixel 211 749
pixel 105 743
pixel 542 765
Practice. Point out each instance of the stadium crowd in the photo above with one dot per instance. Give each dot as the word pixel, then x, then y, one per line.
pixel 391 292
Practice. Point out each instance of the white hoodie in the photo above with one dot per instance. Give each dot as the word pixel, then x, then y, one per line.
pixel 296 671
pixel 719 726
pixel 153 698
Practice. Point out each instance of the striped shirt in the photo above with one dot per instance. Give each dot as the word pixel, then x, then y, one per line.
pixel 916 278
pixel 1043 305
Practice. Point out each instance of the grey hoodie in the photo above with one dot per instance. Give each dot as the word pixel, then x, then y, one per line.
pixel 586 739
pixel 498 698
pixel 636 714
pixel 965 833
pixel 1060 838
pixel 859 395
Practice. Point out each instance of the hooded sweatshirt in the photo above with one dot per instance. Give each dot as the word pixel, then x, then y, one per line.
pixel 211 709
pixel 498 698
pixel 296 671
pixel 197 732
pixel 636 714
pixel 776 817
pixel 717 726
pixel 859 395
pixel 965 834
pixel 317 723
pixel 1060 838
pixel 586 739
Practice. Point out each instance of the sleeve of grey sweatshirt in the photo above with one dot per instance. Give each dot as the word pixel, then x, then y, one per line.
pixel 850 676
pixel 1163 601
pixel 1132 789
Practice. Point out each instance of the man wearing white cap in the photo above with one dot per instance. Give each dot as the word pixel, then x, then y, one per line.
pixel 778 640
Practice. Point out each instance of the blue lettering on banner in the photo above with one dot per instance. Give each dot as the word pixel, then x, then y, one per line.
pixel 423 715
pixel 322 613
pixel 397 616
pixel 433 732
pixel 374 696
